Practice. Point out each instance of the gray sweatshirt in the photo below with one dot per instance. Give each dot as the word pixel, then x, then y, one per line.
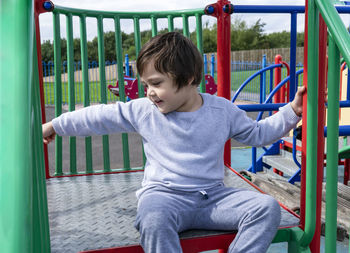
pixel 184 150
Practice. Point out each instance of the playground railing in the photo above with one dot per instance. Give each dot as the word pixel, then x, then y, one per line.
pixel 69 13
pixel 339 42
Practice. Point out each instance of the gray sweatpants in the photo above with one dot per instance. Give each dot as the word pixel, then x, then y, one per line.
pixel 163 213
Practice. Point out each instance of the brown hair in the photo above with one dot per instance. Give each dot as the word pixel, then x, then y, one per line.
pixel 174 55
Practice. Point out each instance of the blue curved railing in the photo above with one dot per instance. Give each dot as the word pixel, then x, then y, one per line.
pixel 248 80
pixel 267 100
pixel 276 89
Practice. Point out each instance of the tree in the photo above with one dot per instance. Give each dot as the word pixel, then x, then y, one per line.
pixel 244 37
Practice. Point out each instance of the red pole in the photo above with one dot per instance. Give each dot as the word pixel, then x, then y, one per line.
pixel 346 171
pixel 278 96
pixel 223 62
pixel 222 10
pixel 40 9
pixel 286 97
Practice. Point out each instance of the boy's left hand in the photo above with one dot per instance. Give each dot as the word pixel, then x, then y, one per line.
pixel 297 103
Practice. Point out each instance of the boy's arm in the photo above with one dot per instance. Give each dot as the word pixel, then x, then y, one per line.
pixel 100 119
pixel 270 129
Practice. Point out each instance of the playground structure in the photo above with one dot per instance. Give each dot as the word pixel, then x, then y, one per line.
pixel 23 196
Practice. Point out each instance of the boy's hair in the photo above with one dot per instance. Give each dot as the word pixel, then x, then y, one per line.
pixel 174 55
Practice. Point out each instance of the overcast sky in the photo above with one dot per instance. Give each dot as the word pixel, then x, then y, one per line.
pixel 274 22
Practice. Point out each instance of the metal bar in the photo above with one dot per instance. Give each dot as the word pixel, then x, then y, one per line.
pixel 336 27
pixel 264 78
pixel 141 90
pixel 41 84
pixel 137 35
pixel 127 69
pixel 199 36
pixel 101 65
pixel 348 86
pixel 118 40
pixel 312 110
pixel 261 100
pixel 268 9
pixel 16 31
pixel 322 70
pixel 186 31
pixel 223 61
pixel 41 234
pixel 293 55
pixel 212 65
pixel 154 26
pixel 332 146
pixel 58 89
pixel 170 23
pixel 126 15
pixel 86 88
pixel 71 88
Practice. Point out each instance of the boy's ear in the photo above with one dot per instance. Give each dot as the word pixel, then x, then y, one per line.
pixel 190 81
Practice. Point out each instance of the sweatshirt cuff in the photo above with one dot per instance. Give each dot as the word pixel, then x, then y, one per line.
pixel 57 127
pixel 290 113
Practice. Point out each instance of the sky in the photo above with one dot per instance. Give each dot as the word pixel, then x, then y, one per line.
pixel 274 22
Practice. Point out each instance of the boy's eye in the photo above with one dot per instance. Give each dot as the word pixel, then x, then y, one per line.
pixel 155 84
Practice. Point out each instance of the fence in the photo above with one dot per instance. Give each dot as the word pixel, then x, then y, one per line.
pixel 240 71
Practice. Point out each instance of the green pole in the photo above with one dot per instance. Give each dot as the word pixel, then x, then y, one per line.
pixel 16 170
pixel 71 91
pixel 101 64
pixel 199 36
pixel 41 231
pixel 154 26
pixel 186 30
pixel 332 146
pixel 170 23
pixel 118 40
pixel 58 89
pixel 86 88
pixel 138 48
pixel 312 113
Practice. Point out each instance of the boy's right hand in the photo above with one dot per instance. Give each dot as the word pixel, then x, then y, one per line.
pixel 48 132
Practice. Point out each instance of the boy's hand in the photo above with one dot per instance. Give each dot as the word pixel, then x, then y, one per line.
pixel 297 103
pixel 48 132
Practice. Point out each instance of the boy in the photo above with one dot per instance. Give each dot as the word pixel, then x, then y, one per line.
pixel 184 133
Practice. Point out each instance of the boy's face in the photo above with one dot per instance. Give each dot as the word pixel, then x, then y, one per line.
pixel 162 91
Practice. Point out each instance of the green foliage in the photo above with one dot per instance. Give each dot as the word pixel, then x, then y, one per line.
pixel 243 37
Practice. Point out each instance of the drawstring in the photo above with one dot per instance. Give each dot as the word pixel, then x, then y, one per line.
pixel 204 194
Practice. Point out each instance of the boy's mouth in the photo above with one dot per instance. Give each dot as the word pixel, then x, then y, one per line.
pixel 157 101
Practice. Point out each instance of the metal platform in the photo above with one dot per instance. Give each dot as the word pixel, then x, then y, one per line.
pixel 94 212
pixel 283 162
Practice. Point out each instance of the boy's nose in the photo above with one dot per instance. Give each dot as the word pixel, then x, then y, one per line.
pixel 150 92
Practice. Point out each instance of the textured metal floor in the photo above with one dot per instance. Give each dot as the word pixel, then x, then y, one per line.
pixel 94 212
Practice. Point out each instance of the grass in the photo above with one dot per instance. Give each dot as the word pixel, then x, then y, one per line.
pixel 237 78
pixel 94 90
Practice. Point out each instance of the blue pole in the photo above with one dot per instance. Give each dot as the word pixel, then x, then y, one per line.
pixel 348 88
pixel 205 64
pixel 254 160
pixel 293 55
pixel 269 9
pixel 263 77
pixel 212 65
pixel 127 72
